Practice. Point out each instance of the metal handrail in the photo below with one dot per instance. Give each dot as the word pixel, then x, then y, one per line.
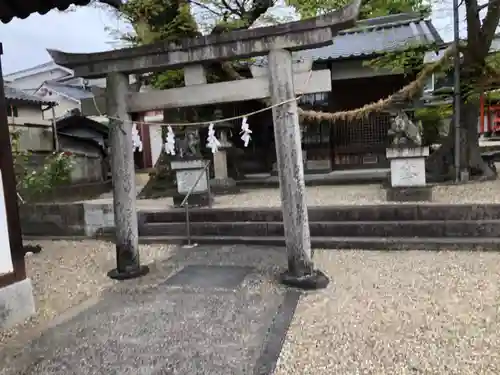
pixel 185 204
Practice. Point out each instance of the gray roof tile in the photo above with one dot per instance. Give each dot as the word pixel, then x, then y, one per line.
pixel 20 95
pixel 75 92
pixel 371 37
pixel 378 35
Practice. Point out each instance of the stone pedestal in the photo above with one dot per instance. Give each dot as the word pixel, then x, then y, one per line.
pixel 187 172
pixel 16 303
pixel 407 176
pixel 222 183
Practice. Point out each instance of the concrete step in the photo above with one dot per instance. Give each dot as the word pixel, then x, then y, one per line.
pixel 344 243
pixel 389 212
pixel 402 229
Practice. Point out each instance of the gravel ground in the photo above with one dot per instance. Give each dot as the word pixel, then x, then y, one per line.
pixel 67 273
pixel 398 313
pixel 385 313
pixel 484 192
pixel 474 192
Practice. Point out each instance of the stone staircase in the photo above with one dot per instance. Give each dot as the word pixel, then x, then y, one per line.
pixel 380 227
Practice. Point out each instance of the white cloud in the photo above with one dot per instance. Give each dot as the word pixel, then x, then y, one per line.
pixel 25 41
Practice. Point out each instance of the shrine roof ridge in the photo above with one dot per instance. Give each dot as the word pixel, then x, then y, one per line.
pixel 221 43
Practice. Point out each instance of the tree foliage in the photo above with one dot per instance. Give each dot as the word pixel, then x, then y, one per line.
pixel 153 21
pixel 369 8
pixel 479 72
pixel 33 182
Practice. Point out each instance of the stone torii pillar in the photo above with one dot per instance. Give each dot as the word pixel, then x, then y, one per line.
pixel 128 263
pixel 287 135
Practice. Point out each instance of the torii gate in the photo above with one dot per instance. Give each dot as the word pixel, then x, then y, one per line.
pixel 190 54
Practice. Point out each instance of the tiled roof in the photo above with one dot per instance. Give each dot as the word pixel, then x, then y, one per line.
pixel 12 93
pixel 75 92
pixel 23 8
pixel 378 35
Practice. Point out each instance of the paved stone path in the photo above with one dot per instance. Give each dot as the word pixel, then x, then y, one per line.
pixel 218 311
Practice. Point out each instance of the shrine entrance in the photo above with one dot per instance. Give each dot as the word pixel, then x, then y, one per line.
pixel 361 143
pixel 344 145
pixel 278 86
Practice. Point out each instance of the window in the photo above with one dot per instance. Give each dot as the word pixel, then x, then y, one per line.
pixel 444 81
pixel 310 101
pixel 315 134
pixel 12 111
pixel 429 85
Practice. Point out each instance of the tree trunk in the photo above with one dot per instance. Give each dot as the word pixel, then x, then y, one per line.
pixel 440 165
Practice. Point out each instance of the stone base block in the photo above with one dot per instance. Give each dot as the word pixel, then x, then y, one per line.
pixel 317 280
pixel 140 271
pixel 409 194
pixel 16 303
pixel 194 200
pixel 224 186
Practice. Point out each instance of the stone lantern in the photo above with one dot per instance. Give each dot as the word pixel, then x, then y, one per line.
pixel 222 182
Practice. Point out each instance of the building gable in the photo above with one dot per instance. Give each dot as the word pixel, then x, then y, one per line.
pixel 30 79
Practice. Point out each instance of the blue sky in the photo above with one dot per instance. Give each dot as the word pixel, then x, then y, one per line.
pixel 83 30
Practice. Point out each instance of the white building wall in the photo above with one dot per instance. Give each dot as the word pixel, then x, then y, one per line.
pixel 32 137
pixel 32 82
pixel 6 265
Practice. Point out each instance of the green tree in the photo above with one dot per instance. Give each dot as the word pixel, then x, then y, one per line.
pixel 478 71
pixel 369 8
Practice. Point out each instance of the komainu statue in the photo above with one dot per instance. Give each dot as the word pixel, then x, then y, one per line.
pixel 189 146
pixel 404 132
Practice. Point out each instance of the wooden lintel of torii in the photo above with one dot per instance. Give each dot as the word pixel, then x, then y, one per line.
pixel 239 44
pixel 224 92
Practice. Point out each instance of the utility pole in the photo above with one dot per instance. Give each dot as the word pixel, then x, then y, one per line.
pixel 123 177
pixel 456 90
